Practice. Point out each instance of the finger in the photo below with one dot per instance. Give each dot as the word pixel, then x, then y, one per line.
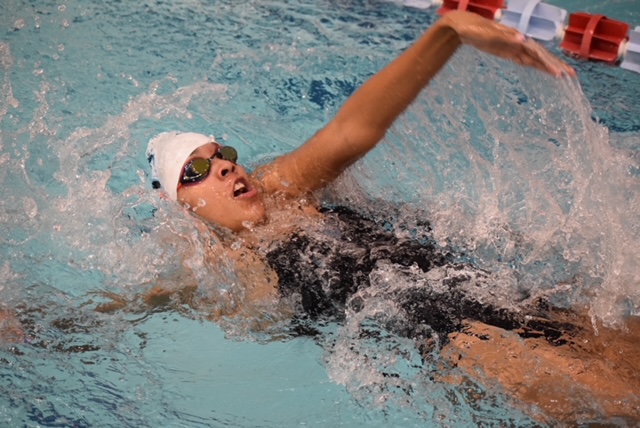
pixel 544 60
pixel 527 52
pixel 532 55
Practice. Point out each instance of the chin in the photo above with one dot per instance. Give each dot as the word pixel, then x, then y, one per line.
pixel 258 216
pixel 254 215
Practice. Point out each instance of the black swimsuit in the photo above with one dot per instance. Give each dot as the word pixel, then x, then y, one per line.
pixel 331 271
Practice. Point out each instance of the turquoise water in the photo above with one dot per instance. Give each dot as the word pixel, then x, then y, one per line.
pixel 531 175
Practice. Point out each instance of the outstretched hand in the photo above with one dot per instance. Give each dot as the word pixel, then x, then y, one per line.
pixel 505 42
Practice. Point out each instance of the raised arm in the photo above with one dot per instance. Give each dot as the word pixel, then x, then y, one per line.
pixel 365 117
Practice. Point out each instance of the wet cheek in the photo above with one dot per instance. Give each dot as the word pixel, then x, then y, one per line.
pixel 201 204
pixel 190 203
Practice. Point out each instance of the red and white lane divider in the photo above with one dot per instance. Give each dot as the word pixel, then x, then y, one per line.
pixel 590 37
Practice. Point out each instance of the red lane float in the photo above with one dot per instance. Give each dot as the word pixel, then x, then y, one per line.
pixel 489 9
pixel 595 37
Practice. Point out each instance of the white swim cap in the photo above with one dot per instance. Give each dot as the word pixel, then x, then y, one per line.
pixel 167 152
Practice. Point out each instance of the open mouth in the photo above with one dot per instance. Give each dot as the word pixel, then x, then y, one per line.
pixel 240 188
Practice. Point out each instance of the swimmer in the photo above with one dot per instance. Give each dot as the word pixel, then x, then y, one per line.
pixel 207 179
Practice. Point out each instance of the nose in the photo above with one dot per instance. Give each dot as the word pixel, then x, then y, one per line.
pixel 223 168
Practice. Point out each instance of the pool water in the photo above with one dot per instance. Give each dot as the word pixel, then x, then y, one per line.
pixel 535 179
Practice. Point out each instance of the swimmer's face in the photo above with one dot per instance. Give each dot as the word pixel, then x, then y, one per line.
pixel 226 196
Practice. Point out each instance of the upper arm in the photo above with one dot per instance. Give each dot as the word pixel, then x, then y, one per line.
pixel 320 160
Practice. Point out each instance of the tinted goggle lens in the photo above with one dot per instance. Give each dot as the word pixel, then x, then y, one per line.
pixel 227 153
pixel 198 169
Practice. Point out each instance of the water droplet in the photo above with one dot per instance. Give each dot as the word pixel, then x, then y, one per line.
pixel 19 24
pixel 30 207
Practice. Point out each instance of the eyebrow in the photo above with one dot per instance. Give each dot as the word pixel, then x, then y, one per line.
pixel 193 153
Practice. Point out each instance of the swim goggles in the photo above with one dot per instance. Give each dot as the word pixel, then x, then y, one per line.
pixel 198 169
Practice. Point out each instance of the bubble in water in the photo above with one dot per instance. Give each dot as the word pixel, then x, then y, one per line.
pixel 19 24
pixel 30 207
